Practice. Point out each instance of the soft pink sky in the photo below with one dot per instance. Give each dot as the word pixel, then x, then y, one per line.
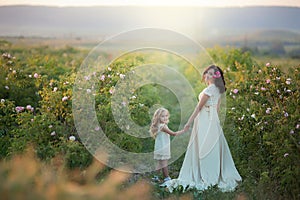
pixel 213 3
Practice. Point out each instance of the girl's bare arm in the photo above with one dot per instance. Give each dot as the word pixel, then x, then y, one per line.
pixel 170 132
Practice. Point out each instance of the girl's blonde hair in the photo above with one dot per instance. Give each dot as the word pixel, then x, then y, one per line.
pixel 156 121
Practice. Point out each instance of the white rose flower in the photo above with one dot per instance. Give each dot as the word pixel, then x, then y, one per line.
pixel 72 138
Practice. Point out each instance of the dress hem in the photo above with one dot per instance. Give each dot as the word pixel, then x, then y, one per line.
pixel 171 185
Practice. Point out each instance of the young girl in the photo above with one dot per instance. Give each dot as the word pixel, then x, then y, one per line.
pixel 160 131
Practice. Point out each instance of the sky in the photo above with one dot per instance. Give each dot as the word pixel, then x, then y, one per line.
pixel 208 3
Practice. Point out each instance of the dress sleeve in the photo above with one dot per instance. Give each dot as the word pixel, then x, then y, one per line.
pixel 161 126
pixel 208 91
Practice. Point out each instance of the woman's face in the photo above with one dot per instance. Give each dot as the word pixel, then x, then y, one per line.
pixel 208 76
pixel 164 117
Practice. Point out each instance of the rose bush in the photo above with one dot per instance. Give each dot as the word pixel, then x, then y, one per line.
pixel 262 122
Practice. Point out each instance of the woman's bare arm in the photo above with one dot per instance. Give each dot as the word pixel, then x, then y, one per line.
pixel 219 103
pixel 200 105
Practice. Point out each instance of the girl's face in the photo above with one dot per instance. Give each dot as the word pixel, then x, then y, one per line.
pixel 208 76
pixel 164 117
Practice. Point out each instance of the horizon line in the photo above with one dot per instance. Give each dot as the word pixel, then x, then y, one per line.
pixel 145 6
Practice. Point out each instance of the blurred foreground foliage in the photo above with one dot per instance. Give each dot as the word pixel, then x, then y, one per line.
pixel 25 177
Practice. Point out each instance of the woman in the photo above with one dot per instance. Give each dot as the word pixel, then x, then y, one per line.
pixel 208 160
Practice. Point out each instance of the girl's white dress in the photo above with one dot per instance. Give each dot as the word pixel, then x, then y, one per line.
pixel 162 145
pixel 208 160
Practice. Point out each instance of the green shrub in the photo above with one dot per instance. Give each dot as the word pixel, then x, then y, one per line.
pixel 262 123
pixel 263 116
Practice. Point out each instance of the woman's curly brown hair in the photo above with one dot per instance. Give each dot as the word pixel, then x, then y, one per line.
pixel 219 82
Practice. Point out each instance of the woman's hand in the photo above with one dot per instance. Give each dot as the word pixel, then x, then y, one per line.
pixel 187 126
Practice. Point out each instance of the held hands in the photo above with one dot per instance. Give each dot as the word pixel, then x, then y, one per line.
pixel 186 128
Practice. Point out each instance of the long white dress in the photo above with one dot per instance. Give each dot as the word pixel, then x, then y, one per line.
pixel 208 160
